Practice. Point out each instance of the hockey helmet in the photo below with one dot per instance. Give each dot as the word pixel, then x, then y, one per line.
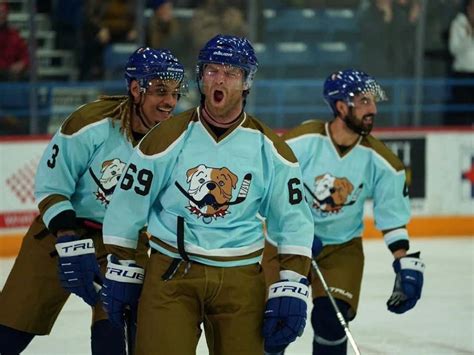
pixel 344 85
pixel 229 50
pixel 146 64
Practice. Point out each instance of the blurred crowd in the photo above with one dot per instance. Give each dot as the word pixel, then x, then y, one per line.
pixel 387 38
pixel 14 57
pixel 89 26
pixel 388 31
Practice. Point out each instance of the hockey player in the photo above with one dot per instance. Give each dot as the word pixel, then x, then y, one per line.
pixel 63 251
pixel 343 166
pixel 202 182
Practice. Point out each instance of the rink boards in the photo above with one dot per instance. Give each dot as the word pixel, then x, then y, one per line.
pixel 440 172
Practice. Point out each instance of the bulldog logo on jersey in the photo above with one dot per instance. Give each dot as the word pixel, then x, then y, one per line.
pixel 111 171
pixel 210 191
pixel 331 193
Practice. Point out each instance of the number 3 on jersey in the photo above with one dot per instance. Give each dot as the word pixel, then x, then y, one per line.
pixel 143 177
pixel 52 162
pixel 294 192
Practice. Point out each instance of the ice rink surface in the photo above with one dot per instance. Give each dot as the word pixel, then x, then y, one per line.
pixel 442 323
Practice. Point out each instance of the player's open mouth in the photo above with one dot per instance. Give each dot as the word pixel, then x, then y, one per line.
pixel 218 96
pixel 368 119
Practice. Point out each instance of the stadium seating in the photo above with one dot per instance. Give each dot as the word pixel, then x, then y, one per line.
pixel 310 25
pixel 115 55
pixel 302 60
pixel 53 64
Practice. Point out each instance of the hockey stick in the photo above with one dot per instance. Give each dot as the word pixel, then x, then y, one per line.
pixel 243 191
pixel 130 332
pixel 339 315
pixel 129 328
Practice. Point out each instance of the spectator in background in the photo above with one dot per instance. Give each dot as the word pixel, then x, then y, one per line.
pixel 406 14
pixel 93 39
pixel 67 22
pixel 105 22
pixel 395 22
pixel 437 58
pixel 376 22
pixel 213 17
pixel 117 19
pixel 461 46
pixel 164 30
pixel 233 20
pixel 14 57
pixel 162 24
pixel 388 45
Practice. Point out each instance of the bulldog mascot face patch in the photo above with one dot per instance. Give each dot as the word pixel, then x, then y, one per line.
pixel 331 193
pixel 211 188
pixel 110 171
pixel 210 191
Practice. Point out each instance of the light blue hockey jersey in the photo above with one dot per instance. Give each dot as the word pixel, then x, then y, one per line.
pixel 221 187
pixel 82 164
pixel 337 185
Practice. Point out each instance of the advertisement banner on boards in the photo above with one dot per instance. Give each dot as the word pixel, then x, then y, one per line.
pixel 17 174
pixel 412 152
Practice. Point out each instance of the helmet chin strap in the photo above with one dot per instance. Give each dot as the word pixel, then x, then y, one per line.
pixel 138 112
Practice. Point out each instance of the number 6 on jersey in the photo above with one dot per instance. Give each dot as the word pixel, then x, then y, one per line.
pixel 144 178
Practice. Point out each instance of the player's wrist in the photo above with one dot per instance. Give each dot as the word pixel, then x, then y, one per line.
pixel 126 271
pixel 400 253
pixel 291 275
pixel 65 232
pixel 65 220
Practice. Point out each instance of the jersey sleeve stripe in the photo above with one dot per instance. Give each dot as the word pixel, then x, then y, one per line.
pixel 56 209
pixel 395 235
pixel 294 249
pixel 120 241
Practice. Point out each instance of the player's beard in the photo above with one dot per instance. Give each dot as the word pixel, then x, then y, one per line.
pixel 362 126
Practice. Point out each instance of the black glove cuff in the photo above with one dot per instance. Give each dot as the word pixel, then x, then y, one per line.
pixel 64 220
pixel 413 255
pixel 399 244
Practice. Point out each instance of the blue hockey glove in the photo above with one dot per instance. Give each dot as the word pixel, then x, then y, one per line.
pixel 285 314
pixel 317 246
pixel 78 267
pixel 121 289
pixel 408 283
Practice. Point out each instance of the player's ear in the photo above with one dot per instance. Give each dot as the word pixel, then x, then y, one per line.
pixel 135 91
pixel 342 108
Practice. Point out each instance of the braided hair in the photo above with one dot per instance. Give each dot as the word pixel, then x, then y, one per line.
pixel 122 112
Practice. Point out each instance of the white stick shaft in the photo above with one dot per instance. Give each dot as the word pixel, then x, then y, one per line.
pixel 336 308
